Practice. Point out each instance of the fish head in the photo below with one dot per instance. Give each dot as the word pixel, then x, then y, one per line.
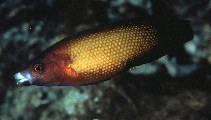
pixel 49 71
pixel 30 74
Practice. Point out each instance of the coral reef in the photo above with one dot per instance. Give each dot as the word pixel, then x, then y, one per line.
pixel 171 88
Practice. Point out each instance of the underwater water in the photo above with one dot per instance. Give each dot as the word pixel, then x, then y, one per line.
pixel 170 88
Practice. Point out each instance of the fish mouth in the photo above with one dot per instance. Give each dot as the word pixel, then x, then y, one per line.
pixel 23 80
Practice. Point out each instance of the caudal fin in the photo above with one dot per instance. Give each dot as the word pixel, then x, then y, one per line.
pixel 180 34
pixel 177 32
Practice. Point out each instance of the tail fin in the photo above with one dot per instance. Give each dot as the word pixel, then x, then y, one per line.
pixel 180 34
pixel 177 32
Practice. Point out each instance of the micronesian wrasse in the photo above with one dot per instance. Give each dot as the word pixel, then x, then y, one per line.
pixel 99 54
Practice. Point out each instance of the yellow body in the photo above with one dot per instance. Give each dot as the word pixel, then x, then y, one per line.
pixel 100 55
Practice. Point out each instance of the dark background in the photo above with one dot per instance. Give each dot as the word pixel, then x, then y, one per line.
pixel 171 88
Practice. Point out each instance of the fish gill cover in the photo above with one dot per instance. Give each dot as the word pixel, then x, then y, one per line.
pixel 173 87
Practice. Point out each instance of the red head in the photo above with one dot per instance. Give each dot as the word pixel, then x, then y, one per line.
pixel 49 69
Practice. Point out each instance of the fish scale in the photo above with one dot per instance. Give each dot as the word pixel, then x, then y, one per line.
pixel 107 52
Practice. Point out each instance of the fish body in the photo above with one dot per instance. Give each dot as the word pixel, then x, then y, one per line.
pixel 99 54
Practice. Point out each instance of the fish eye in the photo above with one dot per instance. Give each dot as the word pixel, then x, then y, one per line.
pixel 38 68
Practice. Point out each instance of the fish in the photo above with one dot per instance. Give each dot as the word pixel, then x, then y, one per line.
pixel 101 53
